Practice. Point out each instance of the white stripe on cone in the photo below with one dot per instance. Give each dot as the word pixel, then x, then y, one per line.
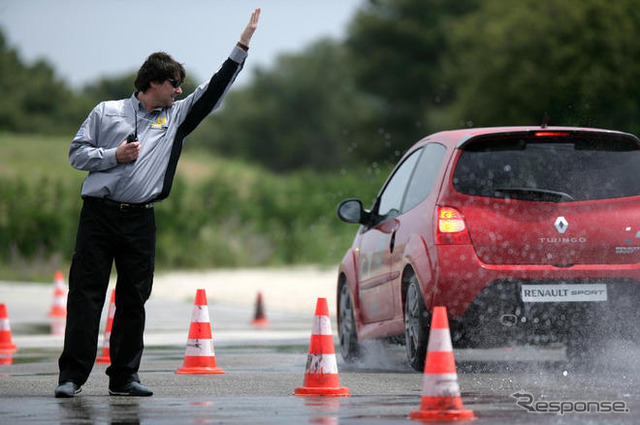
pixel 321 325
pixel 4 325
pixel 199 347
pixel 322 364
pixel 107 338
pixel 60 301
pixel 111 313
pixel 439 340
pixel 200 314
pixel 440 385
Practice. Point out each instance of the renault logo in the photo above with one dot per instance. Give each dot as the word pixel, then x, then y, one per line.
pixel 561 224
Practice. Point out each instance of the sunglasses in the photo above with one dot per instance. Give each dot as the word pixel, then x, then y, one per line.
pixel 174 83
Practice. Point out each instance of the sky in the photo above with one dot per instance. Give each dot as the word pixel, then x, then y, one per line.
pixel 84 40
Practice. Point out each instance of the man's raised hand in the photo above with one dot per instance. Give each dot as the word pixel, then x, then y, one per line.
pixel 251 27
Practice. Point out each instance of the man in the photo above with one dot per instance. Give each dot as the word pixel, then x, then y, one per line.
pixel 130 148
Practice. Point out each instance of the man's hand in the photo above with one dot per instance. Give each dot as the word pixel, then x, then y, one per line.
pixel 127 152
pixel 246 35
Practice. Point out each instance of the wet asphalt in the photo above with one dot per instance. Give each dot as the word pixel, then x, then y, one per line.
pixel 264 365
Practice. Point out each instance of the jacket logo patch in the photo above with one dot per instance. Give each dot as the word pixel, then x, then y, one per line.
pixel 160 123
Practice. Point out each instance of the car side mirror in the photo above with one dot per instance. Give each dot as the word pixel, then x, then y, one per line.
pixel 351 211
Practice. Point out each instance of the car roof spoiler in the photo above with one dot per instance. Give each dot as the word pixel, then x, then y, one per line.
pixel 529 131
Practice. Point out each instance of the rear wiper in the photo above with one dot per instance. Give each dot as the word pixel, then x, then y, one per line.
pixel 532 194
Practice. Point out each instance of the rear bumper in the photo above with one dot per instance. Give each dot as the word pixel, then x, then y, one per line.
pixel 499 317
pixel 486 309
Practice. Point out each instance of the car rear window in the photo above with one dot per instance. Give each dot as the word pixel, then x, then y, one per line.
pixel 553 169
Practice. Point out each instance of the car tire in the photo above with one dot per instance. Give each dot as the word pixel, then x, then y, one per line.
pixel 416 326
pixel 349 345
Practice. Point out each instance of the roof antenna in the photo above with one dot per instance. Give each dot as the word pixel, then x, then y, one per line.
pixel 545 120
pixel 545 116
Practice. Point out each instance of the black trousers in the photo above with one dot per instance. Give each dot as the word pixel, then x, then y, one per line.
pixel 107 234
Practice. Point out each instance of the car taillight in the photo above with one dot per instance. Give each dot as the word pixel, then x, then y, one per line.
pixel 452 229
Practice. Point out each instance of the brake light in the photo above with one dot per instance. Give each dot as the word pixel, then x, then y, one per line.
pixel 551 133
pixel 452 229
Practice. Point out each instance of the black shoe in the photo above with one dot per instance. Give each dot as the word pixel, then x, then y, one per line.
pixel 132 389
pixel 67 390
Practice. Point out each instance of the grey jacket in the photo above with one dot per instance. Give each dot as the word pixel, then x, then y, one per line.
pixel 161 133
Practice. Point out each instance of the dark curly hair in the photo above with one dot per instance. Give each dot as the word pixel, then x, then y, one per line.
pixel 158 67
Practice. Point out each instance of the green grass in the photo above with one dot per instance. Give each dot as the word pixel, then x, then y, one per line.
pixel 32 157
pixel 221 212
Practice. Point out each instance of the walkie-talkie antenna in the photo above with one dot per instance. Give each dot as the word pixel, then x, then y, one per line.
pixel 135 113
pixel 133 137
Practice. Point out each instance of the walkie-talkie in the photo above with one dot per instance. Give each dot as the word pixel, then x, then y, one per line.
pixel 133 137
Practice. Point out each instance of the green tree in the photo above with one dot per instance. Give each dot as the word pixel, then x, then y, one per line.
pixel 34 99
pixel 576 59
pixel 118 87
pixel 305 112
pixel 397 47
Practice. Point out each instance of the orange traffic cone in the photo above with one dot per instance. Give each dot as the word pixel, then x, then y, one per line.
pixel 6 359
pixel 321 374
pixel 105 357
pixel 6 342
pixel 58 326
pixel 199 357
pixel 260 319
pixel 59 307
pixel 441 399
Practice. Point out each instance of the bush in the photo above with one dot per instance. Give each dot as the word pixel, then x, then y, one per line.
pixel 239 216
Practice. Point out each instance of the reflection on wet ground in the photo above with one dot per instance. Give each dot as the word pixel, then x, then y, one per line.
pixel 86 410
pixel 263 368
pixel 258 389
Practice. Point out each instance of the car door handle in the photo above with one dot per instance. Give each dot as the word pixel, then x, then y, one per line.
pixel 392 242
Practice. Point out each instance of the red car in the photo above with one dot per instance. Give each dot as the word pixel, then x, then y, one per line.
pixel 528 235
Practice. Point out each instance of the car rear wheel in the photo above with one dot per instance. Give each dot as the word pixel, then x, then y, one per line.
pixel 416 326
pixel 349 346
